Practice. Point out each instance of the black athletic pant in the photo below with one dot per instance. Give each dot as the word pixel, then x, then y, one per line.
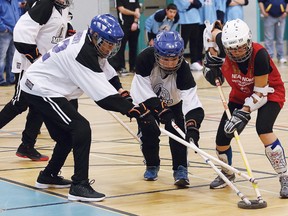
pixel 190 33
pixel 15 107
pixel 69 129
pixel 118 61
pixel 150 142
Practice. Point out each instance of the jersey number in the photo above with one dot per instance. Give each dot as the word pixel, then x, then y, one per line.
pixel 57 48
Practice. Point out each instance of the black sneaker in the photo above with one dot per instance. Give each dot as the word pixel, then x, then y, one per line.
pixel 28 152
pixel 84 192
pixel 51 181
pixel 218 182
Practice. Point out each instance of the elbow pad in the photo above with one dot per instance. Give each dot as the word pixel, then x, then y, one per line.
pixel 255 101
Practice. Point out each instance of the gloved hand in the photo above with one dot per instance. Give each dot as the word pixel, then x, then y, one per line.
pixel 211 74
pixel 138 112
pixel 165 114
pixel 33 56
pixel 126 94
pixel 238 121
pixel 192 132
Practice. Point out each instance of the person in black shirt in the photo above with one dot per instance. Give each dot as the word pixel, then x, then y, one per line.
pixel 128 12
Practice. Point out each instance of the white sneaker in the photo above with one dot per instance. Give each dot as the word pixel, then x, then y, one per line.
pixel 196 66
pixel 283 61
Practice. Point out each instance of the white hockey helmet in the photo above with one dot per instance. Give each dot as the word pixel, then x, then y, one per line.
pixel 237 40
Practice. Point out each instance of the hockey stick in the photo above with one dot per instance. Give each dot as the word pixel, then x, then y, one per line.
pixel 125 126
pixel 208 161
pixel 234 170
pixel 196 149
pixel 262 203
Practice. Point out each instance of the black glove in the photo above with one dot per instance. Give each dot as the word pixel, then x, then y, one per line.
pixel 211 61
pixel 33 56
pixel 138 112
pixel 164 113
pixel 211 74
pixel 192 132
pixel 70 30
pixel 126 94
pixel 238 121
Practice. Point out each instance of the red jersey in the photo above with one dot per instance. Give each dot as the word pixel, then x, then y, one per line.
pixel 243 84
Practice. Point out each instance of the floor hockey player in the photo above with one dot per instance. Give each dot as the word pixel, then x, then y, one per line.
pixel 76 65
pixel 164 84
pixel 256 87
pixel 38 30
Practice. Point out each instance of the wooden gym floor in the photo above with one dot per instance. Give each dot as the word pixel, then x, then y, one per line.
pixel 116 164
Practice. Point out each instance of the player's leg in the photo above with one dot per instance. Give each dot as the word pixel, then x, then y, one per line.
pixel 224 150
pixel 273 149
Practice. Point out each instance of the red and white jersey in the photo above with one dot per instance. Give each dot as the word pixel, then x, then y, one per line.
pixel 243 84
pixel 43 26
pixel 69 69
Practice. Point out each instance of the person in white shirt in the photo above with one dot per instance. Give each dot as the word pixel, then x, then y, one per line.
pixel 75 66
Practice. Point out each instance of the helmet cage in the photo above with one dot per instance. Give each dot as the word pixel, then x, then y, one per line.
pixel 100 41
pixel 230 52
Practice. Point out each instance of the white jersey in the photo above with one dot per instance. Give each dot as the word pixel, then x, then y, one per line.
pixel 69 69
pixel 149 83
pixel 43 26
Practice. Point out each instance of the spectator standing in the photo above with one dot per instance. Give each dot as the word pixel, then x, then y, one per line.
pixel 234 9
pixel 128 16
pixel 274 17
pixel 9 15
pixel 211 11
pixel 189 24
pixel 162 20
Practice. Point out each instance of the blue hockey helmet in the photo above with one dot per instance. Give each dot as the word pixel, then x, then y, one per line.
pixel 106 29
pixel 169 49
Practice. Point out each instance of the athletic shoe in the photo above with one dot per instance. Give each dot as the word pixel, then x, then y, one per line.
pixel 220 183
pixel 181 176
pixel 284 186
pixel 283 61
pixel 51 181
pixel 84 192
pixel 196 66
pixel 151 173
pixel 122 72
pixel 28 152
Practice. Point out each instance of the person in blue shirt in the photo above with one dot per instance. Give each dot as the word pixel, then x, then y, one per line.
pixel 162 20
pixel 9 15
pixel 211 11
pixel 234 9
